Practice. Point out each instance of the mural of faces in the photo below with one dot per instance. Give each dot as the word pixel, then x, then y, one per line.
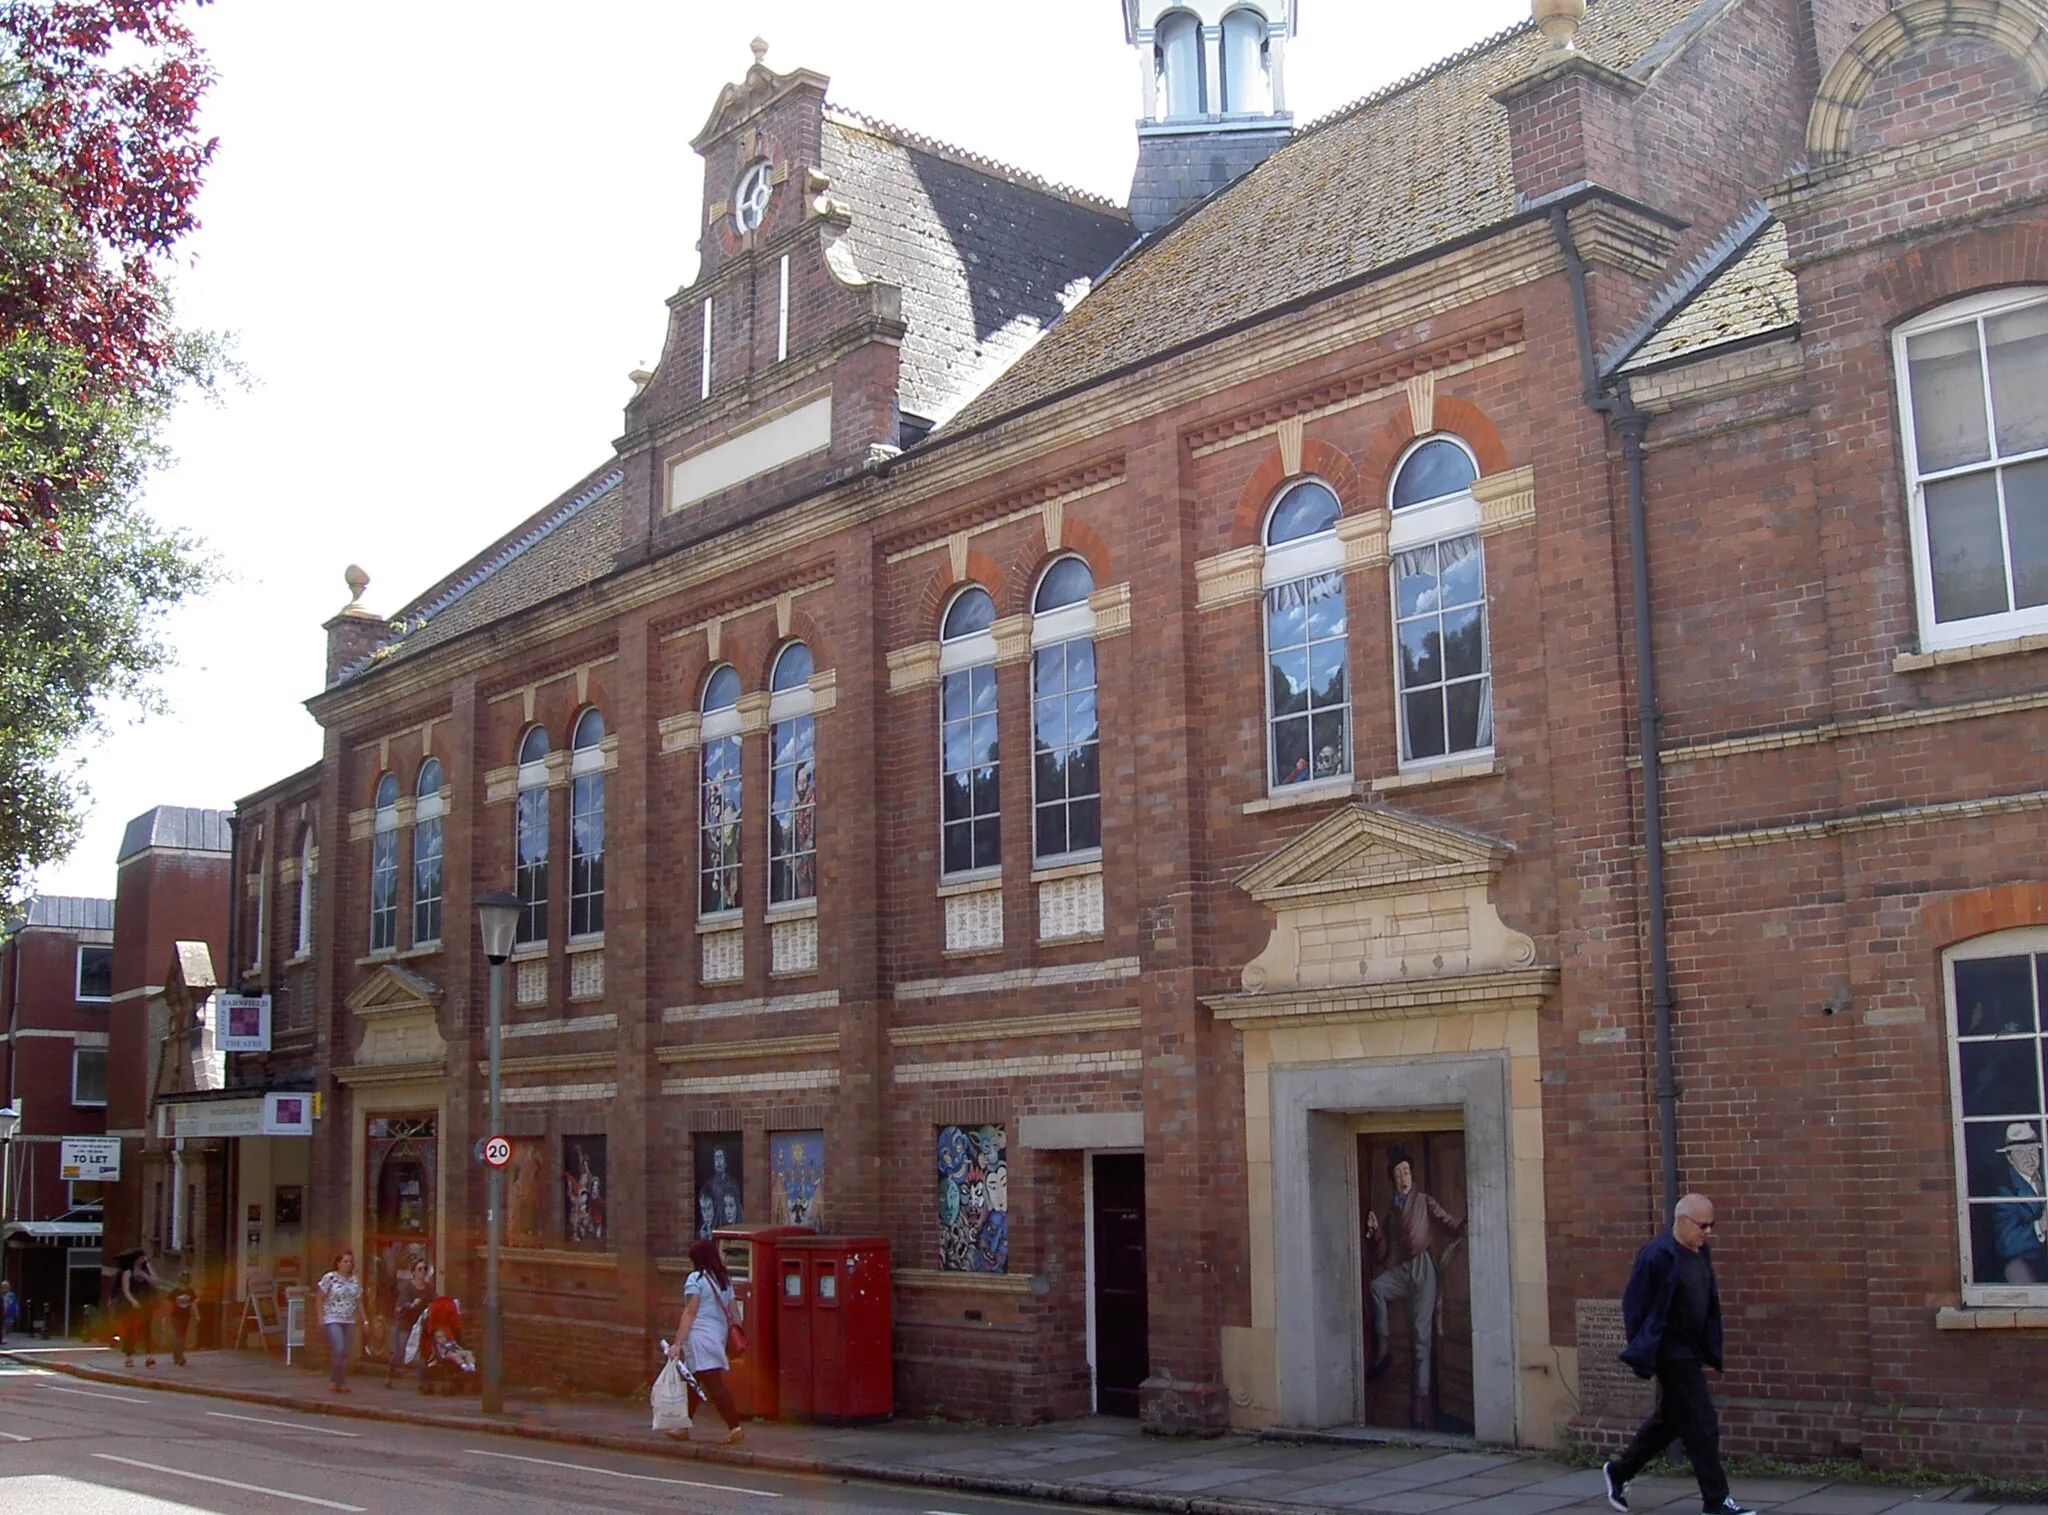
pixel 974 1199
pixel 720 1181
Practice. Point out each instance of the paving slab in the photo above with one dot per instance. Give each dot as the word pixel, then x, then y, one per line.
pixel 1837 1500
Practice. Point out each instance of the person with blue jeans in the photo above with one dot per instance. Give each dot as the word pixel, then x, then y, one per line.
pixel 341 1311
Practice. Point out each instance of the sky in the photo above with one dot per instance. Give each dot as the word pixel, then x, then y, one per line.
pixel 440 236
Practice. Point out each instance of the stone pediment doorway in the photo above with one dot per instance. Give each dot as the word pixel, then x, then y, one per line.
pixel 1390 997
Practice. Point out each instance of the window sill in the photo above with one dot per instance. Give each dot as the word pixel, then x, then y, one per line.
pixel 381 955
pixel 1051 871
pixel 971 883
pixel 528 953
pixel 1443 773
pixel 1979 1318
pixel 957 954
pixel 297 960
pixel 1296 795
pixel 423 949
pixel 1081 938
pixel 591 943
pixel 794 910
pixel 725 920
pixel 1917 662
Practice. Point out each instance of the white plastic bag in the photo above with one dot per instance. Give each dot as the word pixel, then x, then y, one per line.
pixel 670 1399
pixel 412 1342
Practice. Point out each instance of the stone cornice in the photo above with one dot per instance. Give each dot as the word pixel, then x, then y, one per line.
pixel 1834 185
pixel 391 1073
pixel 768 1046
pixel 1473 993
pixel 1075 1023
pixel 557 1062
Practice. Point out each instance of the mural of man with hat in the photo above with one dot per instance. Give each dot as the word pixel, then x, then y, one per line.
pixel 1410 1277
pixel 2022 1225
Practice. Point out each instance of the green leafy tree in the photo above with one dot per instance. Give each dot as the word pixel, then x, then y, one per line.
pixel 100 162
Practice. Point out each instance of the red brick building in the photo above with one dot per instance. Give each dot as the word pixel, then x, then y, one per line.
pixel 1496 656
pixel 56 978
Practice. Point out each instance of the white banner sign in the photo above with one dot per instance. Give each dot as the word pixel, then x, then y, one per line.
pixel 89 1159
pixel 286 1114
pixel 241 1022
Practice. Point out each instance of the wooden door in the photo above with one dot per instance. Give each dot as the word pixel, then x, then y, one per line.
pixel 1436 1161
pixel 1122 1357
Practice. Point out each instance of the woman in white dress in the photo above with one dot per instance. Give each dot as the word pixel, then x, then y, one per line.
pixel 700 1337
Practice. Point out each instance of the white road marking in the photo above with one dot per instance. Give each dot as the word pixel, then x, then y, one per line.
pixel 289 1425
pixel 126 1399
pixel 10 1436
pixel 578 1467
pixel 229 1483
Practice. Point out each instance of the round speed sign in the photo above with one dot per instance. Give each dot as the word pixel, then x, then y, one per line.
pixel 497 1151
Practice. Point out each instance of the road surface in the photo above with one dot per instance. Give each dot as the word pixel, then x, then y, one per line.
pixel 71 1447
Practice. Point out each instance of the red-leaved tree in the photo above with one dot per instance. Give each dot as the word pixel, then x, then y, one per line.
pixel 100 163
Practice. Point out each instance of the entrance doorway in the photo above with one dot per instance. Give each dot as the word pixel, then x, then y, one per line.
pixel 1122 1354
pixel 1416 1279
pixel 402 1171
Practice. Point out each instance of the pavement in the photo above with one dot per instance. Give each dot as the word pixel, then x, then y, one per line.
pixel 1097 1462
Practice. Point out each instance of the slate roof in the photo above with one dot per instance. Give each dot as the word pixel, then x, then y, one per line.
pixel 1751 293
pixel 70 912
pixel 987 256
pixel 1421 162
pixel 180 826
pixel 566 544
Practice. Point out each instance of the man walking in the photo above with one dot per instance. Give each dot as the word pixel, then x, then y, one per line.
pixel 1672 1313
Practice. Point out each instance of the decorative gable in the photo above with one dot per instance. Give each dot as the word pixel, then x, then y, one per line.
pixel 399 1013
pixel 1373 896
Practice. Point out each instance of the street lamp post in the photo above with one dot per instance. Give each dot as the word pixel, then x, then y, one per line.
pixel 497 917
pixel 10 1122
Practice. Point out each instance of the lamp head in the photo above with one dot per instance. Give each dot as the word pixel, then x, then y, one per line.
pixel 10 1122
pixel 497 917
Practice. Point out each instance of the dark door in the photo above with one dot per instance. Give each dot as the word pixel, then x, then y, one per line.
pixel 1419 1369
pixel 1122 1359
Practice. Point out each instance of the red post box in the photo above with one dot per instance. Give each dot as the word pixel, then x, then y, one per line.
pixel 751 1254
pixel 837 1332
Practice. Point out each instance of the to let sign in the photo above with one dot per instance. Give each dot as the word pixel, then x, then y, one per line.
pixel 89 1159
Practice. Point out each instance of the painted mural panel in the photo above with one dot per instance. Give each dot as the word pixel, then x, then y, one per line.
pixel 526 1177
pixel 796 1174
pixel 974 1199
pixel 583 1190
pixel 721 1181
pixel 1418 1284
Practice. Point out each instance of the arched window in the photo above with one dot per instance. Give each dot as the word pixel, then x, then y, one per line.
pixel 302 930
pixel 1177 55
pixel 1973 401
pixel 1247 82
pixel 1066 768
pixel 718 830
pixel 384 867
pixel 970 818
pixel 586 826
pixel 530 857
pixel 426 854
pixel 1997 990
pixel 1308 684
pixel 792 780
pixel 1442 662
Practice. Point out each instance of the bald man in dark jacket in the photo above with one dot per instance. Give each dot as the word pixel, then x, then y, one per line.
pixel 1671 1310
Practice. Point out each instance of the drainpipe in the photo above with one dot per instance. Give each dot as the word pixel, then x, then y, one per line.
pixel 1631 424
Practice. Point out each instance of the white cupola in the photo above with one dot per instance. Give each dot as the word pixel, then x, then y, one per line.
pixel 1212 77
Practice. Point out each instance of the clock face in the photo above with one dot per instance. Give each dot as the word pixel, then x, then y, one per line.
pixel 750 200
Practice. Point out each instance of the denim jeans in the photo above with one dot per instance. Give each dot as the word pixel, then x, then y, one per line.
pixel 340 1346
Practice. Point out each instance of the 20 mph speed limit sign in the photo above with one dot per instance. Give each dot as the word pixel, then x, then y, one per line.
pixel 497 1151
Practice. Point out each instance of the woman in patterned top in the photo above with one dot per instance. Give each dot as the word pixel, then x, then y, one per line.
pixel 341 1311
